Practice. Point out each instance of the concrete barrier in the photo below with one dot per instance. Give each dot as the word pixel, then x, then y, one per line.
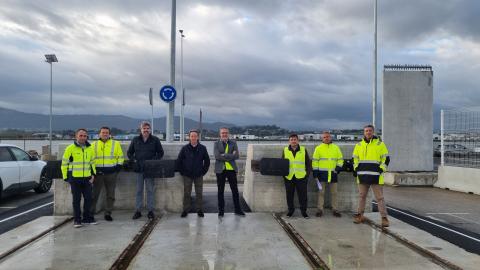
pixel 410 178
pixel 168 192
pixel 459 179
pixel 267 193
pixel 262 193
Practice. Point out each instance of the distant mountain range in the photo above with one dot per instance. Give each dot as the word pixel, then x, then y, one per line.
pixel 12 119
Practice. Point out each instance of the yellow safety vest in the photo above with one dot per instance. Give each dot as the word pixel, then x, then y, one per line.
pixel 368 158
pixel 108 154
pixel 79 161
pixel 297 163
pixel 228 166
pixel 326 158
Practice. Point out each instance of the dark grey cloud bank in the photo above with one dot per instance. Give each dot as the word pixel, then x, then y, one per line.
pixel 297 64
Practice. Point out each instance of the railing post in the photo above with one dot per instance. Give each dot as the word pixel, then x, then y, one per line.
pixel 442 135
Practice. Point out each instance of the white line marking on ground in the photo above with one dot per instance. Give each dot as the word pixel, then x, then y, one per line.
pixel 429 222
pixel 26 212
pixel 437 219
pixel 466 219
pixel 447 213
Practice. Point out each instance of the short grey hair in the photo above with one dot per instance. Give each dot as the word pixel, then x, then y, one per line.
pixel 145 123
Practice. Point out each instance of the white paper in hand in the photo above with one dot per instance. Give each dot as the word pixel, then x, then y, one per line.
pixel 319 185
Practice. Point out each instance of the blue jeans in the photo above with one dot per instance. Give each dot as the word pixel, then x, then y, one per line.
pixel 150 184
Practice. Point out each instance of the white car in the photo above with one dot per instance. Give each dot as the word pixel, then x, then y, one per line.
pixel 20 172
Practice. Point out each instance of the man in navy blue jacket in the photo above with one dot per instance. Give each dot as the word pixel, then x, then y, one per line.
pixel 192 163
pixel 144 147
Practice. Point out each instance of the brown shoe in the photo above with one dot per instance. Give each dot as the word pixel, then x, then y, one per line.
pixel 385 222
pixel 336 213
pixel 358 218
pixel 319 213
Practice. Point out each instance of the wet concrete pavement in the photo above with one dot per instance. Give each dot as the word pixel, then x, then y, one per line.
pixel 427 241
pixel 89 247
pixel 345 245
pixel 256 241
pixel 253 242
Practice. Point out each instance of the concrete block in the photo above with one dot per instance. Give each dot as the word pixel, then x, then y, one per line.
pixel 169 194
pixel 410 178
pixel 459 179
pixel 407 119
pixel 267 193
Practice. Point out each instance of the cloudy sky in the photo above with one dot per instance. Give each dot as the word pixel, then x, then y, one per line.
pixel 298 64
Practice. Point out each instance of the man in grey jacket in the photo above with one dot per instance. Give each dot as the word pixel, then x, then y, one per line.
pixel 226 152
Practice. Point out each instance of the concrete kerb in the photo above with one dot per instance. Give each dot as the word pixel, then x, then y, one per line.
pixel 427 179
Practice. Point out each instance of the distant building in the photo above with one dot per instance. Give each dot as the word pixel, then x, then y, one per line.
pixel 243 137
pixel 348 137
pixel 311 136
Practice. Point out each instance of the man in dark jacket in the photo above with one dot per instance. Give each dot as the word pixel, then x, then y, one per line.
pixel 226 152
pixel 192 163
pixel 144 147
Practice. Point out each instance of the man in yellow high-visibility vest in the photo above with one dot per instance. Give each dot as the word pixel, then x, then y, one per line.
pixel 298 174
pixel 78 169
pixel 108 162
pixel 370 161
pixel 327 163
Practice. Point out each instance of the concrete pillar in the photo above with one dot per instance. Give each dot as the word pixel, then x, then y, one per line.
pixel 407 117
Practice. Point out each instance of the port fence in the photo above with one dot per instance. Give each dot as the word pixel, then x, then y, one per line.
pixel 460 138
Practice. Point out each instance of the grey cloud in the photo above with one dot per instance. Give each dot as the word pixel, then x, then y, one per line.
pixel 298 64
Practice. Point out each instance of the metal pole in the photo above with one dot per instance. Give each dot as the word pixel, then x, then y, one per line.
pixel 182 115
pixel 374 105
pixel 151 103
pixel 51 105
pixel 442 135
pixel 171 105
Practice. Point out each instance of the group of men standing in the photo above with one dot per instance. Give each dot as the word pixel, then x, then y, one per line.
pixel 370 161
pixel 90 167
pixel 86 166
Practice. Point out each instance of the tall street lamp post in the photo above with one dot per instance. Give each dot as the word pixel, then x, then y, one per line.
pixel 51 58
pixel 182 111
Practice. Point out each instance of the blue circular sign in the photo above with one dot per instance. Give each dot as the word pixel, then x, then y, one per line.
pixel 168 93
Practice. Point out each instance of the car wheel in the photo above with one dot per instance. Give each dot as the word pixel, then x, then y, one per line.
pixel 45 183
pixel 1 189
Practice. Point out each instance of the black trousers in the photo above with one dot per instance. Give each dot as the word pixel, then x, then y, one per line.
pixel 232 180
pixel 301 186
pixel 81 187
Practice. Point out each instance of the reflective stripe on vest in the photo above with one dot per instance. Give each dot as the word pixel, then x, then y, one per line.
pixel 297 163
pixel 81 164
pixel 326 158
pixel 369 159
pixel 106 161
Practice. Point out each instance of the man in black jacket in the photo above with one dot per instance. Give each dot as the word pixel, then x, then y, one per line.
pixel 144 147
pixel 192 163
